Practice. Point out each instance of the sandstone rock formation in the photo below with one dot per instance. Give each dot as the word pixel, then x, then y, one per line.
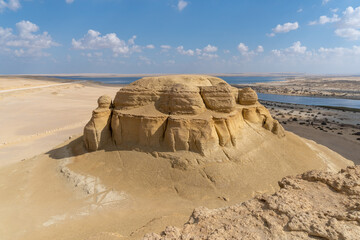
pixel 196 124
pixel 247 96
pixel 313 205
pixel 201 114
pixel 97 132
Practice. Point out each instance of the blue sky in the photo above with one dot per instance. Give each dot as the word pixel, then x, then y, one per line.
pixel 179 36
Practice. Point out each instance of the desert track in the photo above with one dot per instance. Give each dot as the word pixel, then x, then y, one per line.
pixel 28 88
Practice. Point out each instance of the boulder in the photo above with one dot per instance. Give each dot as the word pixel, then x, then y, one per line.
pixel 247 96
pixel 218 98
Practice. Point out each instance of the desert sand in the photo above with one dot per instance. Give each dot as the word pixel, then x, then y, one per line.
pixel 161 148
pixel 297 211
pixel 40 113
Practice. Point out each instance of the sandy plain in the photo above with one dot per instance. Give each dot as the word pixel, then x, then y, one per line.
pixel 40 113
pixel 66 108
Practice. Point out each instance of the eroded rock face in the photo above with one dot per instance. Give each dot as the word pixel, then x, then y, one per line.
pixel 134 96
pixel 97 132
pixel 173 113
pixel 218 98
pixel 314 205
pixel 247 96
pixel 180 100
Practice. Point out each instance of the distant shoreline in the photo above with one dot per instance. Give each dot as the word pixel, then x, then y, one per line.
pixel 319 95
pixel 346 109
pixel 287 87
pixel 342 87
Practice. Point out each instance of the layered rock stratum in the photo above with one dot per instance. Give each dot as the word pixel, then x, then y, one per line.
pixel 178 113
pixel 313 205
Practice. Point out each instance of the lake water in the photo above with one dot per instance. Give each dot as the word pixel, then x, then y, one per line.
pixel 315 101
pixel 248 80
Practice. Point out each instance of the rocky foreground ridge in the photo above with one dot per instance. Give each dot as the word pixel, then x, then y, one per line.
pixel 313 205
pixel 171 113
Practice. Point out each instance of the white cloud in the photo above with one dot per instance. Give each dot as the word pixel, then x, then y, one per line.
pixel 284 28
pixel 349 26
pixel 334 10
pixel 324 19
pixel 11 4
pixel 276 52
pixel 287 27
pixel 165 48
pixel 349 33
pixel 210 48
pixel 322 60
pixel 93 41
pixel 5 35
pixel 294 49
pixel 299 10
pixel 181 5
pixel 131 41
pixel 69 1
pixel 243 49
pixel 324 2
pixel 351 17
pixel 340 51
pixel 208 52
pixel 26 28
pixel 182 51
pixel 260 49
pixel 27 42
pixel 150 46
pixel 207 56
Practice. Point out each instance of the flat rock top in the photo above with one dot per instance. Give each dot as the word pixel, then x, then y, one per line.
pixel 173 80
